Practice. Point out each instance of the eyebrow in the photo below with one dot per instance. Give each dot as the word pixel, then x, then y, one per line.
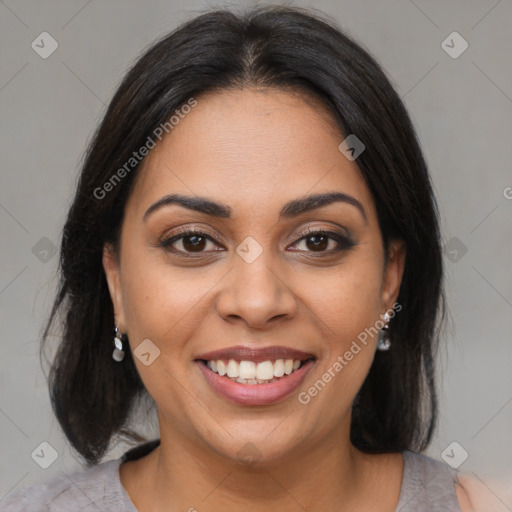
pixel 291 209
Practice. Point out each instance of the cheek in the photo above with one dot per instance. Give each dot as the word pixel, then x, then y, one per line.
pixel 158 305
pixel 163 303
pixel 346 298
pixel 349 305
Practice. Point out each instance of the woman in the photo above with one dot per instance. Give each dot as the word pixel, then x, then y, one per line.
pixel 254 244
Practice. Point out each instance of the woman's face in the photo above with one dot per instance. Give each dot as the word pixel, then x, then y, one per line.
pixel 253 277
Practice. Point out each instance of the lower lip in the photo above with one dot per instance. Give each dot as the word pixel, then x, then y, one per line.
pixel 255 394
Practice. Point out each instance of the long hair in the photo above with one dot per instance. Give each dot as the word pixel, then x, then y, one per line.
pixel 273 47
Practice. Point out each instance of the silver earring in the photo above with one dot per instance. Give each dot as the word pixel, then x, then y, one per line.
pixel 384 342
pixel 118 353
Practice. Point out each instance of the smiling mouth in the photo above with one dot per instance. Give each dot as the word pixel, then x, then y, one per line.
pixel 251 373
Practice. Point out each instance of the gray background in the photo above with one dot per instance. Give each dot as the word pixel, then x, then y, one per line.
pixel 462 109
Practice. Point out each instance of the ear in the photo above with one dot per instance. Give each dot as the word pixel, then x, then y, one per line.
pixel 393 272
pixel 111 265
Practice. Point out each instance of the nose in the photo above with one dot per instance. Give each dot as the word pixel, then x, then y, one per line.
pixel 256 294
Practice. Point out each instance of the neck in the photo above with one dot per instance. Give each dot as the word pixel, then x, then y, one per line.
pixel 328 475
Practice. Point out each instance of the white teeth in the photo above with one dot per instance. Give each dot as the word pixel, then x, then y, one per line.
pixel 246 381
pixel 233 369
pixel 279 368
pixel 254 381
pixel 221 367
pixel 249 372
pixel 265 370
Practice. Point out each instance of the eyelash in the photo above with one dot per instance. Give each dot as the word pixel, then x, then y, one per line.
pixel 344 243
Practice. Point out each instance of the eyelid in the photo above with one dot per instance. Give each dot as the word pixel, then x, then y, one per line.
pixel 167 241
pixel 193 230
pixel 343 241
pixel 217 235
pixel 322 229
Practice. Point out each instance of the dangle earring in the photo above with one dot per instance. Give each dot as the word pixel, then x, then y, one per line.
pixel 118 353
pixel 384 342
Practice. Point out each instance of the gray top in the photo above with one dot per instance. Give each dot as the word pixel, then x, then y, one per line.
pixel 427 486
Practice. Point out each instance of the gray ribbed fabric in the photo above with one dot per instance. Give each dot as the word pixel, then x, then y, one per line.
pixel 427 486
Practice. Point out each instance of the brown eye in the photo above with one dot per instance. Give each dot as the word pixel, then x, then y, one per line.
pixel 320 241
pixel 191 242
pixel 194 243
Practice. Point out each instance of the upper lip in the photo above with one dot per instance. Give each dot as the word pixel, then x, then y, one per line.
pixel 257 355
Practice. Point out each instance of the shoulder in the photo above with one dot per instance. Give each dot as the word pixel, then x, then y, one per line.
pixel 430 484
pixel 463 497
pixel 84 491
pixel 475 496
pixel 427 484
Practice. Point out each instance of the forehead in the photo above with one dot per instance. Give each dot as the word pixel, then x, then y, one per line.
pixel 250 147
